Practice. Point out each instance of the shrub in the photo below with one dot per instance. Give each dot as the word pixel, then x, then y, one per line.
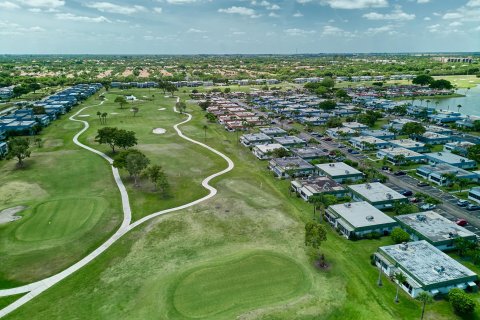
pixel 461 302
pixel 399 235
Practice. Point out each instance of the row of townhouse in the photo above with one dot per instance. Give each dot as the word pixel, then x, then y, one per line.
pixel 25 121
pixel 133 84
pixel 231 115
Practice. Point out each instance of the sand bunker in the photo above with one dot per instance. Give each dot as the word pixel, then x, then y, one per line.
pixel 114 113
pixel 84 115
pixel 9 215
pixel 161 109
pixel 159 131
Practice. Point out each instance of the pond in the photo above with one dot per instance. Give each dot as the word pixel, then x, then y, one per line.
pixel 470 103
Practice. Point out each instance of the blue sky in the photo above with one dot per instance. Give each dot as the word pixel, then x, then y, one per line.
pixel 241 26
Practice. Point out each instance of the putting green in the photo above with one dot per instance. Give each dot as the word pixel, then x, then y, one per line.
pixel 254 280
pixel 59 219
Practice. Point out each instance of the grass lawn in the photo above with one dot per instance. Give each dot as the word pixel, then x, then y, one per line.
pixel 214 260
pixel 72 206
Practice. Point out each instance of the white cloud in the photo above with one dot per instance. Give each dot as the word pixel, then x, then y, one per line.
pixel 43 3
pixel 383 29
pixel 434 28
pixel 334 31
pixel 455 24
pixel 423 1
pixel 158 10
pixel 452 15
pixel 7 5
pixel 73 17
pixel 355 4
pixel 397 14
pixel 273 15
pixel 115 8
pixel 243 11
pixel 297 14
pixel 298 32
pixel 193 30
pixel 473 3
pixel 181 1
pixel 427 18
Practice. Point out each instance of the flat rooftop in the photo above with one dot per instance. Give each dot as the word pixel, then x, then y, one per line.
pixel 268 147
pixel 425 263
pixel 273 130
pixel 318 185
pixel 441 168
pixel 308 152
pixel 361 214
pixel 256 137
pixel 354 125
pixel 433 226
pixel 289 140
pixel 407 143
pixel 368 139
pixel 434 135
pixel 447 157
pixel 291 163
pixel 376 191
pixel 337 169
pixel 377 133
pixel 401 151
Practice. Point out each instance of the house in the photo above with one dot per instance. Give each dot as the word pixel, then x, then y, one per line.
pixel 437 173
pixel 474 194
pixel 314 186
pixel 425 267
pixel 265 151
pixel 460 147
pixel 438 129
pixel 339 172
pixel 290 167
pixel 368 143
pixel 252 139
pixel 410 145
pixel 451 159
pixel 400 155
pixel 308 153
pixel 434 138
pixel 290 141
pixel 341 133
pixel 434 228
pixel 377 194
pixel 380 134
pixel 357 219
pixel 355 125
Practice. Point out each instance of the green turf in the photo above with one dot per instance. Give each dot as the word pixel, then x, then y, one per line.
pixel 228 287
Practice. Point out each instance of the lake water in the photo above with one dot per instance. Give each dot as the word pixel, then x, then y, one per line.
pixel 470 103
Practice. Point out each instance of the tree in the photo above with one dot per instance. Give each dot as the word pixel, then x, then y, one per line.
pixel 211 117
pixel 334 122
pixel 399 159
pixel 463 246
pixel 461 302
pixel 99 114
pixel 154 174
pixel 125 139
pixel 413 128
pixel 135 163
pixel 399 278
pixel 327 82
pixel 120 159
pixel 473 153
pixel 204 104
pixel 315 234
pixel 227 90
pixel 399 235
pixel 19 148
pixel 281 153
pixel 327 105
pixel 441 84
pixel 104 117
pixel 181 106
pixel 423 80
pixel 205 128
pixel 425 298
pixel 135 110
pixel 34 87
pixel 107 136
pixel 121 101
pixel 38 142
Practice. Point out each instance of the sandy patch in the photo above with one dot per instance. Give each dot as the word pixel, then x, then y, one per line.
pixel 9 215
pixel 114 113
pixel 84 115
pixel 159 131
pixel 161 109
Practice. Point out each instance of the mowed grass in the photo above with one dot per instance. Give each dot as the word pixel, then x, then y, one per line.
pixel 185 164
pixel 257 279
pixel 72 204
pixel 141 276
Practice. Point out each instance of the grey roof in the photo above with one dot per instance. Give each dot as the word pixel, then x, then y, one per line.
pixel 442 168
pixel 368 139
pixel 272 130
pixel 337 169
pixel 317 185
pixel 289 140
pixel 400 151
pixel 268 147
pixel 433 226
pixel 407 143
pixel 447 157
pixel 291 163
pixel 376 191
pixel 308 152
pixel 361 214
pixel 252 137
pixel 426 263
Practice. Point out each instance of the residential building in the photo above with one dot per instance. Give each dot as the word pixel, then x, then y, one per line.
pixel 290 141
pixel 410 145
pixel 474 194
pixel 434 138
pixel 355 125
pixel 265 151
pixel 291 167
pixel 252 139
pixel 357 219
pixel 461 147
pixel 341 133
pixel 439 173
pixel 400 155
pixel 339 172
pixel 434 228
pixel 377 194
pixel 425 267
pixel 451 159
pixel 380 134
pixel 273 131
pixel 368 143
pixel 314 186
pixel 308 153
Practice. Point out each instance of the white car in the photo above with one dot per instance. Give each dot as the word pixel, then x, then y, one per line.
pixel 428 206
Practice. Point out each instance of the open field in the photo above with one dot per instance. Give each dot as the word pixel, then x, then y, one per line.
pixel 146 274
pixel 72 206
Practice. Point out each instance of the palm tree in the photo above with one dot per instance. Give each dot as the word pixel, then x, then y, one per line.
pixel 436 104
pixel 104 116
pixel 428 102
pixel 425 298
pixel 135 110
pixel 205 127
pixel 399 278
pixel 99 114
pixel 459 107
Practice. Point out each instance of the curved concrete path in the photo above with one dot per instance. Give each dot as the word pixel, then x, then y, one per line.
pixel 34 289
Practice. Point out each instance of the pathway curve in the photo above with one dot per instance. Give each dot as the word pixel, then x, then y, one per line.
pixel 34 289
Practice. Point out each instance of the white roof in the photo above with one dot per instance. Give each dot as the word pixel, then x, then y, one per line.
pixel 407 143
pixel 337 169
pixel 268 147
pixel 376 191
pixel 361 214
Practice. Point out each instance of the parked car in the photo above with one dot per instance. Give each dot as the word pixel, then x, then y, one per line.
pixel 327 139
pixel 355 152
pixel 422 184
pixel 386 168
pixel 462 203
pixel 462 222
pixel 428 206
pixel 414 200
pixel 325 150
pixel 340 146
pixel 407 193
pixel 349 150
pixel 400 173
pixel 472 207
